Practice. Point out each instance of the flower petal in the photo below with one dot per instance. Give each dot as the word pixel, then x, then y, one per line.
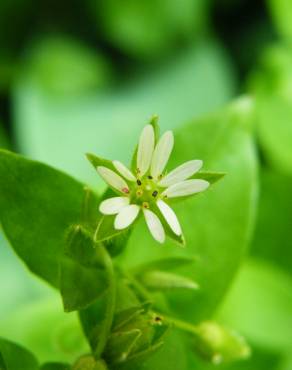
pixel 161 154
pixel 126 216
pixel 154 225
pixel 113 179
pixel 170 217
pixel 145 149
pixel 114 205
pixel 181 173
pixel 187 187
pixel 124 171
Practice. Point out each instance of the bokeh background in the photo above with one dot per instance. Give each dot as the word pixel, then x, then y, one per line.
pixel 84 76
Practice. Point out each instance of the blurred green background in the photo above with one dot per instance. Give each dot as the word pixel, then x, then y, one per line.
pixel 84 76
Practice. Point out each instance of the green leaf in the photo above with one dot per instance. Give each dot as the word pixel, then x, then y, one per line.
pixel 161 280
pixel 217 224
pixel 83 276
pixel 15 357
pixel 272 238
pixel 281 14
pixel 141 33
pixel 270 324
pixel 37 205
pixel 272 87
pixel 55 366
pixel 65 67
pixel 44 328
pixel 4 143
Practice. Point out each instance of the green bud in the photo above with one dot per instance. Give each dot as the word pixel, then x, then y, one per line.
pixel 162 280
pixel 218 344
pixel 136 331
pixel 88 362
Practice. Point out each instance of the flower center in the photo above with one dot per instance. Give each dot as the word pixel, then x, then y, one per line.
pixel 145 192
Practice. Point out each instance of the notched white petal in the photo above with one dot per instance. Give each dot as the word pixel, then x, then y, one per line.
pixel 181 173
pixel 113 179
pixel 154 225
pixel 170 217
pixel 126 216
pixel 185 188
pixel 161 154
pixel 124 171
pixel 145 149
pixel 114 205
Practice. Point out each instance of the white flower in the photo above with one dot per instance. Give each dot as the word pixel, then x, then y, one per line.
pixel 148 188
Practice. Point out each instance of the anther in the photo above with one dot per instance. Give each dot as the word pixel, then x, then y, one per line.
pixel 125 190
pixel 139 182
pixel 139 193
pixel 150 177
pixel 154 194
pixel 145 205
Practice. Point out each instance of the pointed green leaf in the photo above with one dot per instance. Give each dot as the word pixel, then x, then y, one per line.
pixel 37 205
pixel 83 276
pixel 209 176
pixel 15 357
pixel 98 161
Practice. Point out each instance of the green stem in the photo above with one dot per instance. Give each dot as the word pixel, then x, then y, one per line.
pixel 182 325
pixel 110 303
pixel 143 292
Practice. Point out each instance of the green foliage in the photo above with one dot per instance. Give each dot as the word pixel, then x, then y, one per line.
pixel 272 238
pixel 138 30
pixel 55 366
pixel 4 143
pixel 65 67
pixel 273 86
pixel 43 327
pixel 269 288
pixel 281 11
pixel 14 357
pixel 36 214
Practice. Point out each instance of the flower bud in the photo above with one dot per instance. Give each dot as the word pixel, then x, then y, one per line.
pixel 142 331
pixel 88 362
pixel 218 344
